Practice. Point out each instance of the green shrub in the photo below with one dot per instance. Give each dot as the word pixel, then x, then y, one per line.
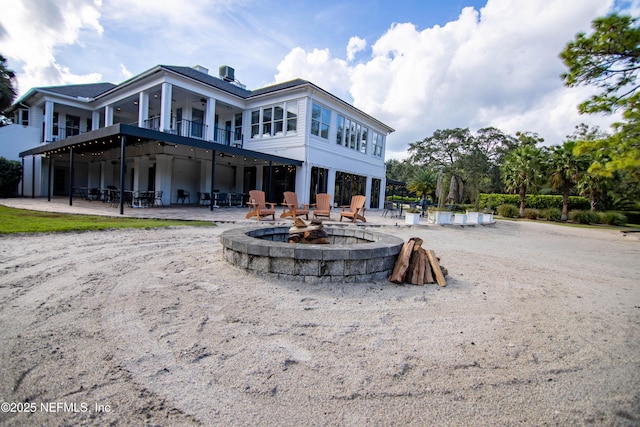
pixel 633 217
pixel 531 213
pixel 584 217
pixel 612 218
pixel 536 201
pixel 551 214
pixel 10 176
pixel 509 211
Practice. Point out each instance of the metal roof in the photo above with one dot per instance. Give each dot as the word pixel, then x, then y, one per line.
pixel 90 90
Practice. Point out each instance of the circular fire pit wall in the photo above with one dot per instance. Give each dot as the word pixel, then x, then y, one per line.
pixel 352 255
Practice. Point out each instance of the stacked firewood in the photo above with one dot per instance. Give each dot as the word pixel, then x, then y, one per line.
pixel 418 266
pixel 303 233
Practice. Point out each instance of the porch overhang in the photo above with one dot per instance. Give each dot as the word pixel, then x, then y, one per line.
pixel 110 137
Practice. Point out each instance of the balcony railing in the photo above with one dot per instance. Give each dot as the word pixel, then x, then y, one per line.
pixel 187 128
pixel 191 129
pixel 63 133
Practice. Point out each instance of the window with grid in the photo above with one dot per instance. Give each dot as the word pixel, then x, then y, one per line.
pixel 320 118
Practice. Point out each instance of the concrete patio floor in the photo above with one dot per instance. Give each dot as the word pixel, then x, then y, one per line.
pixel 184 212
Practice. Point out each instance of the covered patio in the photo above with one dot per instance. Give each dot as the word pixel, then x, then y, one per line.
pixel 129 160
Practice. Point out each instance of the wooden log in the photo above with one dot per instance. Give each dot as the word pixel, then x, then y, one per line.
pixel 402 263
pixel 418 243
pixel 428 275
pixel 300 230
pixel 417 266
pixel 435 266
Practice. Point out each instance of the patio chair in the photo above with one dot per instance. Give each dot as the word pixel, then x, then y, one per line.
pixel 292 208
pixel 258 206
pixel 356 209
pixel 183 195
pixel 157 200
pixel 323 206
pixel 205 199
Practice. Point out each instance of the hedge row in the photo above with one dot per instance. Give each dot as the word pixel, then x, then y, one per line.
pixel 533 201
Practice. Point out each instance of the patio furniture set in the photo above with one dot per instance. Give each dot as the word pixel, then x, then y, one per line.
pixel 259 208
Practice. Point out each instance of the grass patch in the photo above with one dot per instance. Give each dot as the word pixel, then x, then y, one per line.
pixel 25 221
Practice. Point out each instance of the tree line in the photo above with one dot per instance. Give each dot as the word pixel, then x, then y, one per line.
pixel 453 166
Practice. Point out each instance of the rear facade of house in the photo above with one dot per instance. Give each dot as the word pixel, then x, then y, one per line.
pixel 180 128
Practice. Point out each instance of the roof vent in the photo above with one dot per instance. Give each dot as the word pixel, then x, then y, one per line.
pixel 201 69
pixel 226 73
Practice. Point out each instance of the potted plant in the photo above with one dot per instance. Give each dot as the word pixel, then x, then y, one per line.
pixel 475 216
pixel 459 218
pixel 487 216
pixel 439 216
pixel 412 216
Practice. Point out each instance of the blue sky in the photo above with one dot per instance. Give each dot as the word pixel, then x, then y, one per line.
pixel 418 66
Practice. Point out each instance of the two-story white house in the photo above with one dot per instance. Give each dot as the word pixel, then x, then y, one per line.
pixel 179 128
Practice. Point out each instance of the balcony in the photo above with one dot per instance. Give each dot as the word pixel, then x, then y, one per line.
pixel 197 130
pixel 63 133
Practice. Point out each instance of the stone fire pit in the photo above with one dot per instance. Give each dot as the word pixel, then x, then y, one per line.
pixel 352 255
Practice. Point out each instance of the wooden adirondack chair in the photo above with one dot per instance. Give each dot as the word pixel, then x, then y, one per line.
pixel 292 208
pixel 356 209
pixel 258 206
pixel 323 206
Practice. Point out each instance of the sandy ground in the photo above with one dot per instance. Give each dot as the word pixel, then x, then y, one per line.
pixel 539 325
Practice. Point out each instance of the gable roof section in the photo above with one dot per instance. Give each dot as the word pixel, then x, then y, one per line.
pixel 279 86
pixel 90 90
pixel 208 80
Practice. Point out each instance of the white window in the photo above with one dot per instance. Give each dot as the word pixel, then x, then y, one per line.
pixel 255 123
pixel 292 116
pixel 363 140
pixel 320 119
pixel 377 142
pixel 237 135
pixel 340 131
pixel 267 118
pixel 24 117
pixel 272 120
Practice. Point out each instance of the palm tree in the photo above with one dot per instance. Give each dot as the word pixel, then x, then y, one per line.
pixel 595 187
pixel 521 171
pixel 424 183
pixel 7 91
pixel 566 170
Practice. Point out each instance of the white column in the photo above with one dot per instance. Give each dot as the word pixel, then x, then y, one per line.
pixel 108 115
pixel 95 120
pixel 368 191
pixel 48 121
pixel 210 118
pixel 103 168
pixel 136 174
pixel 165 107
pixel 163 177
pixel 331 184
pixel 143 108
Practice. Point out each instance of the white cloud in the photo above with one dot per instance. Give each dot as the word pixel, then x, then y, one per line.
pixel 356 44
pixel 34 29
pixel 316 66
pixel 126 74
pixel 498 66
